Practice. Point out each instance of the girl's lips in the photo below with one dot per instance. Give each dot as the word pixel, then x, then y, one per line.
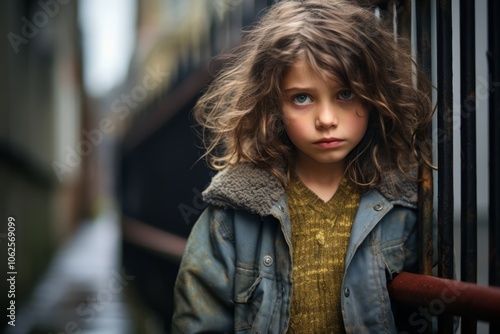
pixel 330 139
pixel 329 142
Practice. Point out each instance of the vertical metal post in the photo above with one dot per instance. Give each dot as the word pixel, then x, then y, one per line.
pixel 445 149
pixel 468 234
pixel 426 191
pixel 494 146
pixel 425 187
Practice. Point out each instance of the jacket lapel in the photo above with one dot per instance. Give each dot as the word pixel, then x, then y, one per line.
pixel 372 208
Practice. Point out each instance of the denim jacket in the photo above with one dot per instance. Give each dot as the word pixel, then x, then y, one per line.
pixel 236 274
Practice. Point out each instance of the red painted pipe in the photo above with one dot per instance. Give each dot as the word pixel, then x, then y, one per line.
pixel 444 296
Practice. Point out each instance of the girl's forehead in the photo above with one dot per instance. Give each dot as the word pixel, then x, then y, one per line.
pixel 303 70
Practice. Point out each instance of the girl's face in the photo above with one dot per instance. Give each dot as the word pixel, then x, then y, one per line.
pixel 324 121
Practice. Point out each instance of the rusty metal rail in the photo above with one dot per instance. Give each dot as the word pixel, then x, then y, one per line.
pixel 440 296
pixel 166 244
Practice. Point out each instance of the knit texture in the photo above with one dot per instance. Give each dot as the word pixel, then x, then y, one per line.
pixel 320 235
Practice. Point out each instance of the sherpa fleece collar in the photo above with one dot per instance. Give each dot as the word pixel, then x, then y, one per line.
pixel 245 186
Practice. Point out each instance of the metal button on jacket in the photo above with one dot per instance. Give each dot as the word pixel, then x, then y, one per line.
pixel 268 261
pixel 347 292
pixel 378 207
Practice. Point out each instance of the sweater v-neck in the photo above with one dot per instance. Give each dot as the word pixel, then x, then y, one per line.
pixel 336 202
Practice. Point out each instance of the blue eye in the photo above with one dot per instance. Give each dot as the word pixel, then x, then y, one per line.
pixel 301 99
pixel 346 95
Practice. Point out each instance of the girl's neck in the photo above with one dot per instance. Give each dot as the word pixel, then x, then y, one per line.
pixel 322 179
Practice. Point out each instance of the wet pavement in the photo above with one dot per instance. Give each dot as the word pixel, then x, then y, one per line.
pixel 83 289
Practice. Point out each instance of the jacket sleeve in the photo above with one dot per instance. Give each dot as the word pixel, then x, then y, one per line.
pixel 203 295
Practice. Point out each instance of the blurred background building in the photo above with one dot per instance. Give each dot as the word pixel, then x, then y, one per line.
pixel 42 111
pixel 161 178
pixel 98 161
pixel 98 158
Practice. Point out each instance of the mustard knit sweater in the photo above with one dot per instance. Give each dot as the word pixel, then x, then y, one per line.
pixel 320 235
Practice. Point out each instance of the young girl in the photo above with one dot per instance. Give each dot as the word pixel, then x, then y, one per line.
pixel 317 130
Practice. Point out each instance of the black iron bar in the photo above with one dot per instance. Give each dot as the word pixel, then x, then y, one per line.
pixel 468 257
pixel 425 214
pixel 445 140
pixel 494 145
pixel 445 149
pixel 426 185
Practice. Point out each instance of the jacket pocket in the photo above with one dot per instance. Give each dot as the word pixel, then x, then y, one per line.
pixel 247 299
pixel 245 295
pixel 394 259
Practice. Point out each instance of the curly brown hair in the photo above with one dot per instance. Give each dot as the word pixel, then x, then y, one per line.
pixel 241 111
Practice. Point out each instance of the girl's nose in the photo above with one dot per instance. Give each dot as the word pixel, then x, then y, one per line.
pixel 326 116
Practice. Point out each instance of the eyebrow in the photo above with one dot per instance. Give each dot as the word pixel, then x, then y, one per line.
pixel 299 89
pixel 339 86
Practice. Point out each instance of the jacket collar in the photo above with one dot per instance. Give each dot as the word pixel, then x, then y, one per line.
pixel 248 187
pixel 244 186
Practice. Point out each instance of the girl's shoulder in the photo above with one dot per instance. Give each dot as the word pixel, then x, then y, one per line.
pixel 244 186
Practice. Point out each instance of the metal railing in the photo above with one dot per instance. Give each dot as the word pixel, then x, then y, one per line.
pixel 442 296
